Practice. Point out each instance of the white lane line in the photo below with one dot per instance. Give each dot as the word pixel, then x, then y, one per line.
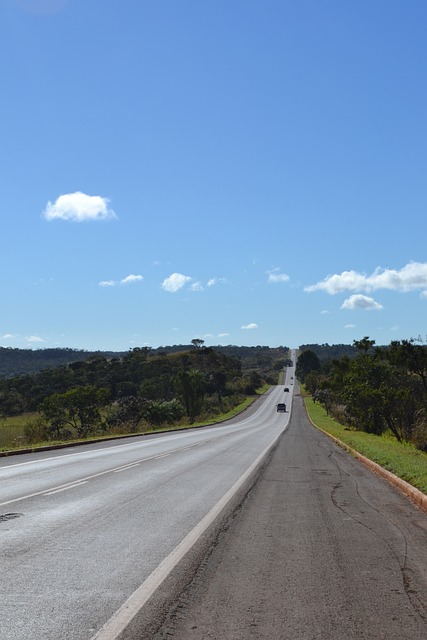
pixel 71 486
pixel 123 616
pixel 86 478
pixel 129 466
pixel 99 450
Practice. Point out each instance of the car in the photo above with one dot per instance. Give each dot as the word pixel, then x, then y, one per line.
pixel 281 407
pixel 286 389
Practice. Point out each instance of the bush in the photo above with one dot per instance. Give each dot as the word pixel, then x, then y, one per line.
pixel 419 436
pixel 35 430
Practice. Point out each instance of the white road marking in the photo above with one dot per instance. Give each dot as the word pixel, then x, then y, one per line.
pixel 86 478
pixel 123 616
pixel 71 486
pixel 129 466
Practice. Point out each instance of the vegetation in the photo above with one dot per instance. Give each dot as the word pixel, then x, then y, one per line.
pixel 402 459
pixel 381 390
pixel 140 390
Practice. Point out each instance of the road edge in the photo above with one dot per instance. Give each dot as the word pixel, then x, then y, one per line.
pixel 415 495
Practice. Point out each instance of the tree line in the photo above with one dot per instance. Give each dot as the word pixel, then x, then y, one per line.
pixel 140 389
pixel 378 390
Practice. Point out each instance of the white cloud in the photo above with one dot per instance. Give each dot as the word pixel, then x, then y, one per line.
pixel 349 326
pixel 423 295
pixel 8 336
pixel 197 286
pixel 33 339
pixel 175 282
pixel 411 276
pixel 359 301
pixel 223 335
pixel 130 279
pixel 275 276
pixel 214 281
pixel 324 312
pixel 251 325
pixel 78 207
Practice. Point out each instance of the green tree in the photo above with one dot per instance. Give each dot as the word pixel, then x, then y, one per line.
pixel 197 342
pixel 78 408
pixel 364 345
pixel 191 386
pixel 307 362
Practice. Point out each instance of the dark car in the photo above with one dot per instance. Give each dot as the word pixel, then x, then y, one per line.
pixel 286 389
pixel 281 407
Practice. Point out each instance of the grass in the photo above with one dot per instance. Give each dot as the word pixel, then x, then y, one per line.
pixel 12 429
pixel 402 459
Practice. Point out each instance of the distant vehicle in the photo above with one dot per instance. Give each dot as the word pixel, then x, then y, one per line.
pixel 286 389
pixel 281 407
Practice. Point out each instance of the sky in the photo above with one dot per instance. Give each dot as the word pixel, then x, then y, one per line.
pixel 246 172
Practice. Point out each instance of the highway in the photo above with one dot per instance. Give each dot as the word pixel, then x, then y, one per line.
pixel 259 528
pixel 83 529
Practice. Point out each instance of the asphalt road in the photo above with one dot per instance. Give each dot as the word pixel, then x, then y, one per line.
pixel 321 549
pixel 85 529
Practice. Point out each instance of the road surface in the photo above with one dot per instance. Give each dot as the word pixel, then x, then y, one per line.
pixel 82 529
pixel 322 549
pixel 158 537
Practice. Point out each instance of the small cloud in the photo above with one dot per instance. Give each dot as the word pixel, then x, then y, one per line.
pixel 251 325
pixel 395 327
pixel 214 281
pixel 197 286
pixel 324 312
pixel 423 295
pixel 106 283
pixel 410 277
pixel 349 326
pixel 275 276
pixel 8 336
pixel 33 339
pixel 78 207
pixel 130 279
pixel 175 282
pixel 358 301
pixel 223 335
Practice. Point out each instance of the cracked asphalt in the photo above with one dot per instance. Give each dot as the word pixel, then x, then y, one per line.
pixel 321 549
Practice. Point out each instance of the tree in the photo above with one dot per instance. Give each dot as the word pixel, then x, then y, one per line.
pixel 364 345
pixel 197 342
pixel 78 408
pixel 191 386
pixel 307 362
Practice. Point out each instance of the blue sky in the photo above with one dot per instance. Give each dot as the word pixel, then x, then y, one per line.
pixel 247 172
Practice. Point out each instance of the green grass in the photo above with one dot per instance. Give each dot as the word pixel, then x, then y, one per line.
pixel 12 432
pixel 404 460
pixel 12 429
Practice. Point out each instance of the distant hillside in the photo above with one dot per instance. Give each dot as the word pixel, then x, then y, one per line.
pixel 15 362
pixel 329 351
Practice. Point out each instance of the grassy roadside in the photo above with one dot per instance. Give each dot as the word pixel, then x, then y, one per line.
pixel 404 460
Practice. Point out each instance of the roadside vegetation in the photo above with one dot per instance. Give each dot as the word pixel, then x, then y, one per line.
pixel 402 459
pixel 134 393
pixel 375 402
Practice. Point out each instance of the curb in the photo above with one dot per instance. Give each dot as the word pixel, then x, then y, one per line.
pixel 418 497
